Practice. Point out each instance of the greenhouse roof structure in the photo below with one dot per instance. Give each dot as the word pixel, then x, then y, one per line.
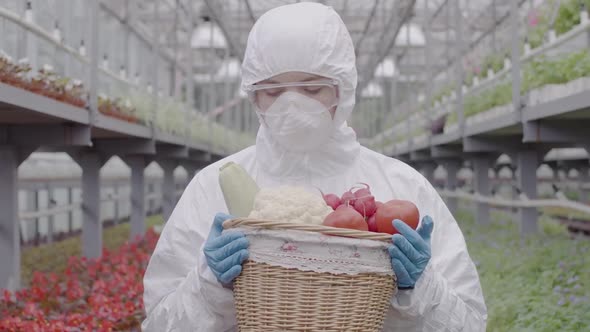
pixel 425 48
pixel 402 29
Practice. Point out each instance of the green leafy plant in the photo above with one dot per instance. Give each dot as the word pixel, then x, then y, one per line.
pixel 203 129
pixel 445 91
pixel 537 73
pixel 13 73
pixel 170 116
pixel 497 96
pixel 568 15
pixel 469 79
pixel 535 283
pixel 538 26
pixel 495 62
pixel 567 213
pixel 143 103
pixel 46 82
pixel 117 108
pixel 542 71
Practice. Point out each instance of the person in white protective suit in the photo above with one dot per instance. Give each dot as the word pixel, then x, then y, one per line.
pixel 299 70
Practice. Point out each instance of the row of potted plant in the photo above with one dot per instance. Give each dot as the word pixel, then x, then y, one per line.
pixel 543 79
pixel 48 83
pixel 567 16
pixel 136 108
pixel 211 132
pixel 117 108
pixel 45 82
pixel 555 74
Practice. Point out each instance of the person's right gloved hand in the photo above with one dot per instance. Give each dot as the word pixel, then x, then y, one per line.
pixel 226 252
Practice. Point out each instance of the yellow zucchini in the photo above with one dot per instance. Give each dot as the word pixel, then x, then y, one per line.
pixel 239 189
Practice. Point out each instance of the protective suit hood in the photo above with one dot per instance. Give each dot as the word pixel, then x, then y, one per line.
pixel 310 38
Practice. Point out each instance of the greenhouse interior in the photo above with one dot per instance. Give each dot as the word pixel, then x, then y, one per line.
pixel 118 118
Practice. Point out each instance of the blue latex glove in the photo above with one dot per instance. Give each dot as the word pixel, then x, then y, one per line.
pixel 226 252
pixel 410 252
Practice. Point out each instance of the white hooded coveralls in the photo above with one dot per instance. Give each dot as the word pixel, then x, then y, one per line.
pixel 181 292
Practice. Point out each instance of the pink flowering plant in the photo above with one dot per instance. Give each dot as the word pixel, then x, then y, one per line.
pixel 103 294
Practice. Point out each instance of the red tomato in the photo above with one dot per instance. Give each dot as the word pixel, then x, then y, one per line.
pixel 378 204
pixel 405 211
pixel 346 217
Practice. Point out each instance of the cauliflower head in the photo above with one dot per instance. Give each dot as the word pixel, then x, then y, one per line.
pixel 292 204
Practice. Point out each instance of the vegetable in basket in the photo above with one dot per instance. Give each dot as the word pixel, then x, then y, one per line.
pixel 376 216
pixel 244 198
pixel 396 209
pixel 289 203
pixel 238 188
pixel 346 217
pixel 410 252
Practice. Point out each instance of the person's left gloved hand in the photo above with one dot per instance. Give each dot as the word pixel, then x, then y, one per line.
pixel 410 252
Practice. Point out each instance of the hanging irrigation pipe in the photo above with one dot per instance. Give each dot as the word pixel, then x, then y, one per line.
pixel 523 202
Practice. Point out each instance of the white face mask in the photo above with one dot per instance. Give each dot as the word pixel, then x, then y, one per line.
pixel 298 123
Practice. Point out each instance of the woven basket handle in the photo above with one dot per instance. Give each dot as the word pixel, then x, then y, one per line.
pixel 281 225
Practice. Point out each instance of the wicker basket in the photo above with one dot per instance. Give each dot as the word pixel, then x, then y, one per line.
pixel 273 298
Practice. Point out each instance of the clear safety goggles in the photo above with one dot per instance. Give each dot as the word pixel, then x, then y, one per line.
pixel 264 95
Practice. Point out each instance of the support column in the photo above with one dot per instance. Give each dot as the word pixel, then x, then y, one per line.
pixel 583 179
pixel 514 180
pixel 528 162
pixel 93 81
pixel 585 193
pixel 33 205
pixel 90 162
pixel 9 224
pixel 138 212
pixel 168 199
pixel 460 50
pixel 514 185
pixel 191 170
pixel 150 190
pixel 156 67
pixel 71 212
pixel 190 77
pixel 67 32
pixel 31 42
pixel 515 43
pixel 481 182
pixel 452 168
pixel 428 171
pixel 556 174
pixel 428 57
pixel 50 219
pixel 116 205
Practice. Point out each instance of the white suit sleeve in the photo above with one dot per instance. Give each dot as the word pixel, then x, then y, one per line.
pixel 180 291
pixel 448 295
